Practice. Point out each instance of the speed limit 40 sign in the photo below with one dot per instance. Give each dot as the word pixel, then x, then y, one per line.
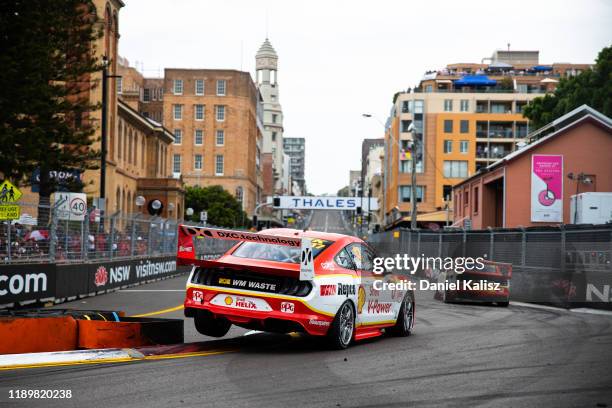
pixel 70 206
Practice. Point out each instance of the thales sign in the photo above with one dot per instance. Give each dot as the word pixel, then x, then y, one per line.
pixel 324 203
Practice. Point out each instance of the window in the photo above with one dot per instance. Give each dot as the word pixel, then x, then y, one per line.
pixel 273 136
pixel 218 165
pixel 274 117
pixel 119 85
pixel 220 113
pixel 464 126
pixel 418 106
pixel 199 87
pixel 448 146
pixel 405 194
pixel 465 198
pixel 476 200
pixel 198 137
pixel 221 87
pixel 178 87
pixel 406 125
pixel 465 105
pixel 428 88
pixel 176 163
pixel 178 136
pixel 447 190
pixel 220 137
pixel 455 168
pixel 197 162
pixel 406 106
pixel 239 194
pixel 448 126
pixel 448 105
pixel 463 146
pixel 343 259
pixel 146 95
pixel 199 112
pixel 178 112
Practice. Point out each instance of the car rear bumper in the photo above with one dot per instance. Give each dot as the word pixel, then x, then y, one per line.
pixel 258 310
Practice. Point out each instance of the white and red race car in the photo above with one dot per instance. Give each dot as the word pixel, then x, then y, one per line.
pixel 286 280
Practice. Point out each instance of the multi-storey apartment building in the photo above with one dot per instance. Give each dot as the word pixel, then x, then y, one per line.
pixel 216 118
pixel 465 117
pixel 295 148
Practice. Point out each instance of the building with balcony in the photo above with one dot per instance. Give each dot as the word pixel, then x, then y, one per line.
pixel 465 116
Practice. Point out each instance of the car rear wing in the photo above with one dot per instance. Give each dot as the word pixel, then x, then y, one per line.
pixel 186 251
pixel 492 269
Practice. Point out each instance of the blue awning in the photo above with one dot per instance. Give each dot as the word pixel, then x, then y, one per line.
pixel 475 80
pixel 542 68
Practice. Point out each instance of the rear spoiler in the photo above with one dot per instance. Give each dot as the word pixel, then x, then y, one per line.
pixel 186 254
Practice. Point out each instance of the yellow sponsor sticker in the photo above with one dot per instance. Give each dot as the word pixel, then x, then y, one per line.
pixel 225 281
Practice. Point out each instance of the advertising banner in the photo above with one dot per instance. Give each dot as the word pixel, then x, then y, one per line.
pixel 546 188
pixel 26 282
pixel 327 203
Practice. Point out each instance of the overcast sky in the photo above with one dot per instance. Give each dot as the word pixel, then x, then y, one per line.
pixel 340 58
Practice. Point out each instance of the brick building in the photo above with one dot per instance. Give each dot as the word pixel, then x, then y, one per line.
pixel 215 116
pixel 507 193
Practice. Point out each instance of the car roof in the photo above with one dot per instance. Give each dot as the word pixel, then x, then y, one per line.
pixel 290 232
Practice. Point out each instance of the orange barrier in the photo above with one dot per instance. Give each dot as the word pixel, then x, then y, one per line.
pixel 32 335
pixel 85 330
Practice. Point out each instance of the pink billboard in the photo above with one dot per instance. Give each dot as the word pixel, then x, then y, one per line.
pixel 546 188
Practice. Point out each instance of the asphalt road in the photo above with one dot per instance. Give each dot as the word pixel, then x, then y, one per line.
pixel 458 356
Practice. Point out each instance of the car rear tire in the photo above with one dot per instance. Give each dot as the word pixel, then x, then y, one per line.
pixel 342 330
pixel 503 304
pixel 208 325
pixel 405 319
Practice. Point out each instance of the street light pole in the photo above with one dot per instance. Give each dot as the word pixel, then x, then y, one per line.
pixel 413 195
pixel 103 127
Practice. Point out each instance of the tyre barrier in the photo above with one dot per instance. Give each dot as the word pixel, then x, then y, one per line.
pixel 33 331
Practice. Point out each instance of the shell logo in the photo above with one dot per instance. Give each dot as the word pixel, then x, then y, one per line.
pixel 228 300
pixel 361 296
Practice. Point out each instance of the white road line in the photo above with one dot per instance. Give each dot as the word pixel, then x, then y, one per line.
pixel 592 311
pixel 536 306
pixel 152 290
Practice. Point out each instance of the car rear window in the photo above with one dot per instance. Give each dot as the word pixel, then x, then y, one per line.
pixel 278 253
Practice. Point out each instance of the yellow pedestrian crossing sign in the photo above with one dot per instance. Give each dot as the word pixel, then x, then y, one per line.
pixel 9 193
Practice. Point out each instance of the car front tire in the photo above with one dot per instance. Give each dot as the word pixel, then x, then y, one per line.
pixel 405 319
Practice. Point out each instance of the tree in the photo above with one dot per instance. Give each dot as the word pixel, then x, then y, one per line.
pixel 47 60
pixel 223 209
pixel 591 87
pixel 344 191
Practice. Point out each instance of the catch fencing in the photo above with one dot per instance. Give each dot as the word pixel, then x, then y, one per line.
pixel 568 266
pixel 53 237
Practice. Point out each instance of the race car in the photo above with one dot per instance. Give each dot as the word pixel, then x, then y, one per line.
pixel 491 284
pixel 286 280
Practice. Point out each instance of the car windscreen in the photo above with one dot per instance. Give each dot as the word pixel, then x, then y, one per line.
pixel 278 253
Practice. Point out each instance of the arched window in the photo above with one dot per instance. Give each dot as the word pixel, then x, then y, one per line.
pixel 129 203
pixel 118 200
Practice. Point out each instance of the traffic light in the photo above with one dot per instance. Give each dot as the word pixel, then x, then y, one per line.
pixel 358 210
pixel 276 202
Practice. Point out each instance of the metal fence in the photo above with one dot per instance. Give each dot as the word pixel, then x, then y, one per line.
pixel 53 237
pixel 565 265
